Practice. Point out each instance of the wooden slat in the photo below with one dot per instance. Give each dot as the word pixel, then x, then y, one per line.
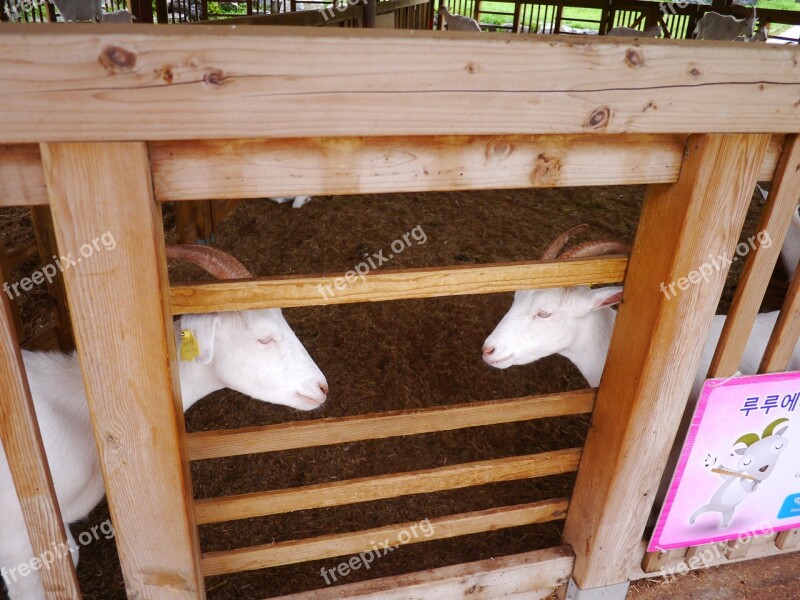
pixel 341 544
pixel 785 333
pixel 294 167
pixel 237 169
pixel 307 434
pixel 498 577
pixel 788 540
pixel 21 176
pixel 22 443
pixel 48 248
pixel 186 79
pixel 638 409
pixel 366 489
pixel 380 286
pixel 119 303
pixel 775 219
pixel 5 276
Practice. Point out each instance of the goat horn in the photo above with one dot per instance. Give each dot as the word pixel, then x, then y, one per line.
pixel 596 249
pixel 218 263
pixel 551 252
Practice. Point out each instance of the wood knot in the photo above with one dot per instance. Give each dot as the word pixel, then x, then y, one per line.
pixel 214 77
pixel 634 58
pixel 166 75
pixel 599 118
pixel 471 68
pixel 546 171
pixel 498 150
pixel 695 72
pixel 117 59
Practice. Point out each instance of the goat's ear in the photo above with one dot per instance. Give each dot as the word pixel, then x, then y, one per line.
pixel 602 297
pixel 203 328
pixel 740 451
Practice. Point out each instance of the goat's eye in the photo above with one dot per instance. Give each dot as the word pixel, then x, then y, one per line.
pixel 747 464
pixel 542 314
pixel 266 340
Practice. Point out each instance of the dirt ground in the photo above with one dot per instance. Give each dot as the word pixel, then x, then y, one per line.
pixel 397 355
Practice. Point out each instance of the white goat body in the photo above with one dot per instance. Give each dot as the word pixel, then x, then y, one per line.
pixel 457 22
pixel 118 16
pixel 654 32
pixel 253 352
pixel 714 26
pixel 79 10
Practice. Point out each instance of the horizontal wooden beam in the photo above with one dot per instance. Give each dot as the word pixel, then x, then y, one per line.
pixel 322 432
pixel 248 168
pixel 235 169
pixel 317 290
pixel 145 82
pixel 341 544
pixel 21 176
pixel 498 577
pixel 367 489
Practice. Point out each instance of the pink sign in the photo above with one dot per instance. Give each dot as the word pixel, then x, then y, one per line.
pixel 739 470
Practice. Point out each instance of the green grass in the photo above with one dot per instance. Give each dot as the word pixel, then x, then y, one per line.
pixel 572 16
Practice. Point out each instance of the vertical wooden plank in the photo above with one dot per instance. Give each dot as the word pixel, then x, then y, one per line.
pixel 785 333
pixel 5 276
pixel 194 220
pixel 22 443
pixel 655 350
pixel 119 300
pixel 789 539
pixel 48 248
pixel 778 210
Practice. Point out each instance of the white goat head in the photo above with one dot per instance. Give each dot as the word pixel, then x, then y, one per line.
pixel 575 322
pixel 253 352
pixel 758 456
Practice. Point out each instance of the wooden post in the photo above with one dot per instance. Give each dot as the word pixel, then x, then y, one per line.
pixel 161 12
pixel 5 275
pixel 119 300
pixel 370 6
pixel 22 442
pixel 194 221
pixel 655 350
pixel 46 241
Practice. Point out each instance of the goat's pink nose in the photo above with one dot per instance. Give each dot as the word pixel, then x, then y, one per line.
pixel 324 388
pixel 488 350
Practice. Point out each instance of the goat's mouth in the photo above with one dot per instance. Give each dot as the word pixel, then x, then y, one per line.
pixel 763 469
pixel 500 363
pixel 310 401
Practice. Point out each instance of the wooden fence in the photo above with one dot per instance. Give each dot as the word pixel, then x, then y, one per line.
pixel 542 113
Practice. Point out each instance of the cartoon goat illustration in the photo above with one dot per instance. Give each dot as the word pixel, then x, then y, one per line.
pixel 759 455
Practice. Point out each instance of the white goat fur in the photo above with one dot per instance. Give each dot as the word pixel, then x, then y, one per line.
pixel 655 31
pixel 714 26
pixel 79 10
pixel 457 22
pixel 255 353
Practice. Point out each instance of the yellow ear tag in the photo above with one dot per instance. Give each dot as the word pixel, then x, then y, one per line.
pixel 190 349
